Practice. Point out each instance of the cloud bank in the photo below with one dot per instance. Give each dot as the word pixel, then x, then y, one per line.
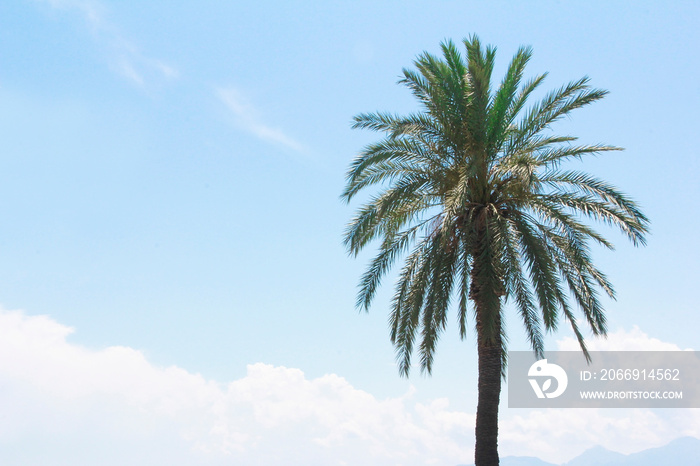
pixel 62 397
pixel 558 435
pixel 620 340
pixel 66 404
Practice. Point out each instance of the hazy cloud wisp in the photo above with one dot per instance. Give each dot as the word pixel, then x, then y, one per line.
pixel 248 119
pixel 124 56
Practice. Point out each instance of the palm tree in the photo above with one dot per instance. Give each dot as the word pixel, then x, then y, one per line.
pixel 475 199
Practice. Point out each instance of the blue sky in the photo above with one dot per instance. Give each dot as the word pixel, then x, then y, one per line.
pixel 169 187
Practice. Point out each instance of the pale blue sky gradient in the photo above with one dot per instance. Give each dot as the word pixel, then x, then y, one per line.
pixel 170 171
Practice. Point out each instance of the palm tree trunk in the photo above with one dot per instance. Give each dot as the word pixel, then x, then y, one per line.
pixel 486 301
pixel 486 450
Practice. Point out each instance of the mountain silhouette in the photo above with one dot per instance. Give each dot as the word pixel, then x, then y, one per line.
pixel 684 451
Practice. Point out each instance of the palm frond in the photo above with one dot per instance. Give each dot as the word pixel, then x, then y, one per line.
pixel 557 104
pixel 540 267
pixel 438 298
pixel 498 121
pixel 517 285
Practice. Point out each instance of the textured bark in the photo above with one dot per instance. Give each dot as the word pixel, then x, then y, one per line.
pixel 489 346
pixel 486 451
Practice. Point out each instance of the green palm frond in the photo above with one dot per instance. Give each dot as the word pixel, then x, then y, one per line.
pixel 500 117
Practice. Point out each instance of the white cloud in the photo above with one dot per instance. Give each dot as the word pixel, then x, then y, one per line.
pixel 124 56
pixel 59 397
pixel 248 119
pixel 558 435
pixel 620 340
pixel 57 394
pixel 543 433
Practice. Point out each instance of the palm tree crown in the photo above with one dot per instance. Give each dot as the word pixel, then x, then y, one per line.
pixel 472 196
